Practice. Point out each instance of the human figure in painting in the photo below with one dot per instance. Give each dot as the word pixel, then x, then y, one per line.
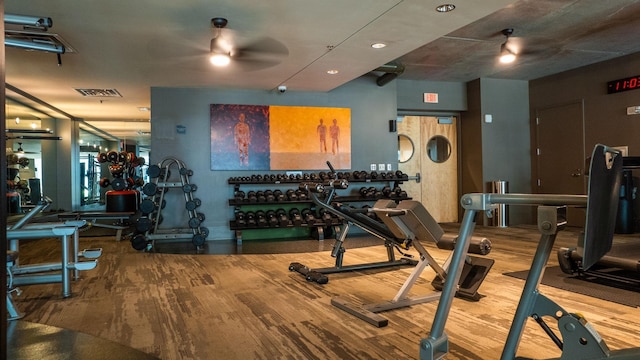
pixel 334 132
pixel 322 133
pixel 242 138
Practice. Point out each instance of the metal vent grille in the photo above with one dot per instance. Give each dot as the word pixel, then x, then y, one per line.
pixel 40 37
pixel 99 92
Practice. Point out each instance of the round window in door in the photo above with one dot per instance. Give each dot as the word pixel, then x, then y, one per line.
pixel 405 148
pixel 439 149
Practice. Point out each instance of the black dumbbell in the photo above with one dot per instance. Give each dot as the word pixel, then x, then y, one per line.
pixel 294 215
pixel 147 206
pixel 185 171
pixel 268 194
pixel 261 218
pixel 308 216
pixel 153 171
pixel 251 218
pixel 150 189
pixel 194 222
pixel 193 204
pixel 252 196
pixel 240 219
pixel 239 195
pixel 143 224
pixel 278 195
pixel 283 219
pixel 302 195
pixel 261 197
pixel 272 219
pixel 291 195
pixel 204 231
pixel 187 188
pixel 139 242
pixel 198 239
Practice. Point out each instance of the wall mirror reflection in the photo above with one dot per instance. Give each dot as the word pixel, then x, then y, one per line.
pixel 438 149
pixel 25 132
pixel 405 148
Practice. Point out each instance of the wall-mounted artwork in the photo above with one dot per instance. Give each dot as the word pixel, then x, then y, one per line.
pixel 257 137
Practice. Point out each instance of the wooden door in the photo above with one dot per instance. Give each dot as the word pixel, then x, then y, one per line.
pixel 561 158
pixel 438 187
pixel 409 135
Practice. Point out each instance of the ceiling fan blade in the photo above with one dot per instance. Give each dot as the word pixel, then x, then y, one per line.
pixel 265 46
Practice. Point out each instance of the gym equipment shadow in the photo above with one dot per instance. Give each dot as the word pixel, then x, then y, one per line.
pixel 226 247
pixel 624 294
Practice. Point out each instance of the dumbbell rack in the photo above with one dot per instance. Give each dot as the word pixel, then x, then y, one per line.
pixel 148 224
pixel 320 225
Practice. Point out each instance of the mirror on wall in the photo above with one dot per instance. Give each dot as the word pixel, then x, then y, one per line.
pixel 405 148
pixel 438 149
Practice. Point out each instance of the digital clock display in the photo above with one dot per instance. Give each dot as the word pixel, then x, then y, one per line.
pixel 625 84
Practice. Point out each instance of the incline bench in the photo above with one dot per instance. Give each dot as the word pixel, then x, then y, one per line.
pixel 408 224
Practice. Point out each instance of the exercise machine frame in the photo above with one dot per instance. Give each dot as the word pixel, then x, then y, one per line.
pixel 579 339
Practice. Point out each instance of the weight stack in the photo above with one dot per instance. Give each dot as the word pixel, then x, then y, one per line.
pixel 122 200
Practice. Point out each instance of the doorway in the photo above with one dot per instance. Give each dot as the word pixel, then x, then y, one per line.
pixel 428 145
pixel 561 156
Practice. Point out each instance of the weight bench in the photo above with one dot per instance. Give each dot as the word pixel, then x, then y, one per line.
pixel 578 340
pixel 44 273
pixel 91 218
pixel 406 224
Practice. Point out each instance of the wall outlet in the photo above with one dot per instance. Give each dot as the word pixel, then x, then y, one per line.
pixel 373 167
pixel 380 167
pixel 388 167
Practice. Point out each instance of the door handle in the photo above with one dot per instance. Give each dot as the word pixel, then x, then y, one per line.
pixel 577 173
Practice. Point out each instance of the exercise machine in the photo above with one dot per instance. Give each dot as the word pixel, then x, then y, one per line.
pixel 578 340
pixel 621 265
pixel 407 224
pixel 43 273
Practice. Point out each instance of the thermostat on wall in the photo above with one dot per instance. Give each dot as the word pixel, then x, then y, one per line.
pixel 633 110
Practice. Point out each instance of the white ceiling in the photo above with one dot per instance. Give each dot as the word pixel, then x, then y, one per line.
pixel 136 45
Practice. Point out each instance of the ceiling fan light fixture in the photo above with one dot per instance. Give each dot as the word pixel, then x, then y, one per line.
pixel 220 52
pixel 218 59
pixel 506 55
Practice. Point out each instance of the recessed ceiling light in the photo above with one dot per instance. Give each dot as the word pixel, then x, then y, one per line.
pixel 332 72
pixel 445 8
pixel 378 45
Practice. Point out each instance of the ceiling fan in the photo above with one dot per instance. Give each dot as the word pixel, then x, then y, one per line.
pixel 225 49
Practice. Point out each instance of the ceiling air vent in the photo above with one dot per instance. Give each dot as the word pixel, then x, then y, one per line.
pixel 39 37
pixel 99 92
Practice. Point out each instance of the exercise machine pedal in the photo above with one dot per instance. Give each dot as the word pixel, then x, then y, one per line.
pixel 84 265
pixel 91 253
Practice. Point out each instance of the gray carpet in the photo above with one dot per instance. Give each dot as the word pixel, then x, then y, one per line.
pixel 553 276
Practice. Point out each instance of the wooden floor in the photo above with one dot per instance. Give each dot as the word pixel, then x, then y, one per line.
pixel 252 307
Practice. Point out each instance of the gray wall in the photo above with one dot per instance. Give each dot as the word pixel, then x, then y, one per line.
pixel 371 109
pixel 452 96
pixel 605 115
pixel 499 150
